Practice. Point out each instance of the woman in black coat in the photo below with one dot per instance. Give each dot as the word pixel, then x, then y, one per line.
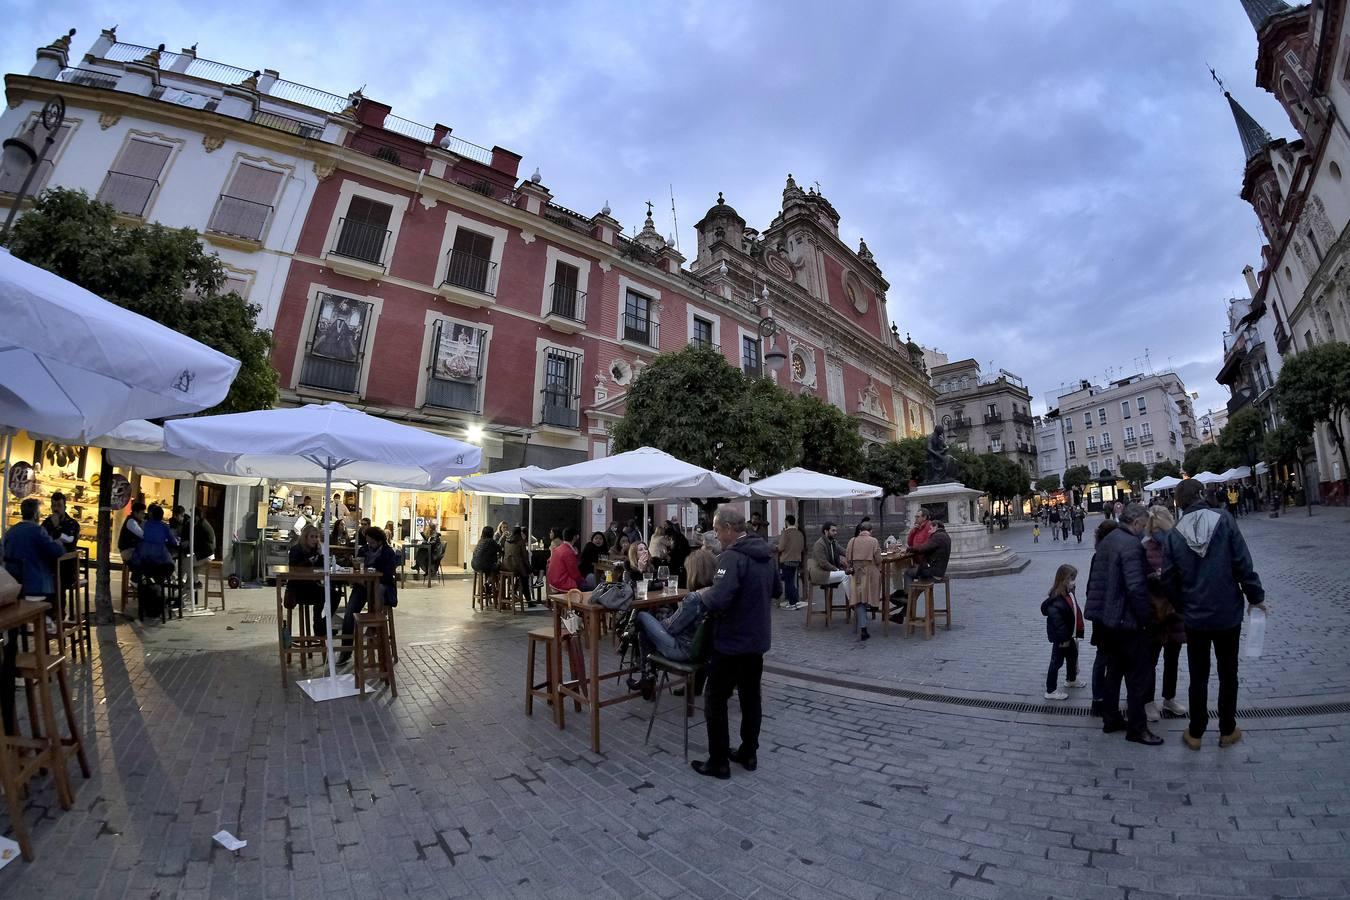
pixel 679 549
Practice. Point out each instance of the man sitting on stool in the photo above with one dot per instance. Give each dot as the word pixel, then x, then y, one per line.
pixel 826 564
pixel 931 558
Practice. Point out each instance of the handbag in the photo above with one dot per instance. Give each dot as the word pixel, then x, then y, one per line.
pixel 615 597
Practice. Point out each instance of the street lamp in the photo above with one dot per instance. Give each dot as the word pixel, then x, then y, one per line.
pixel 19 154
pixel 774 358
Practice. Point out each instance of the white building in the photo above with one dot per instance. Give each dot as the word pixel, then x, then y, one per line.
pixel 1050 448
pixel 1142 418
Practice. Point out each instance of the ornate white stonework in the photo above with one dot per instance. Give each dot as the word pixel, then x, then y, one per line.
pixel 869 400
pixel 802 359
pixel 527 237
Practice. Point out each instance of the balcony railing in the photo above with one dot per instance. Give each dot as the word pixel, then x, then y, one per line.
pixel 568 302
pixel 1022 418
pixel 328 374
pixel 1145 440
pixel 239 218
pixel 754 370
pixel 961 422
pixel 447 394
pixel 1281 338
pixel 560 407
pixel 389 151
pixel 638 330
pixel 1130 442
pixel 1092 451
pixel 705 345
pixel 128 194
pixel 470 272
pixel 993 418
pixel 307 130
pixel 361 240
pixel 89 78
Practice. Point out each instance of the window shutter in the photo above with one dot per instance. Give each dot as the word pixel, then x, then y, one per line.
pixel 472 243
pixel 254 183
pixel 142 159
pixel 369 212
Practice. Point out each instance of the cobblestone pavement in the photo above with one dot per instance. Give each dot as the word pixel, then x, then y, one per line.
pixel 450 790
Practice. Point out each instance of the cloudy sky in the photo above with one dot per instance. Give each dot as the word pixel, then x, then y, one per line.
pixel 1050 186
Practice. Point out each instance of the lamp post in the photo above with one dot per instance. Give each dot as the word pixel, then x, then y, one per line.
pixel 19 153
pixel 768 329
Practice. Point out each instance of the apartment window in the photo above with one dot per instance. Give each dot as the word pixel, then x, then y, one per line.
pixel 1132 456
pixel 456 370
pixel 1139 402
pixel 1101 415
pixel 1068 425
pixel 1087 420
pixel 637 320
pixel 1108 464
pixel 1073 451
pixel 238 284
pixel 750 356
pixel 561 397
pixel 567 301
pixel 336 350
pixel 364 232
pixel 996 444
pixel 991 409
pixel 12 182
pixel 1091 444
pixel 134 175
pixel 1125 409
pixel 703 333
pixel 1145 429
pixel 1106 440
pixel 470 266
pixel 1129 433
pixel 245 206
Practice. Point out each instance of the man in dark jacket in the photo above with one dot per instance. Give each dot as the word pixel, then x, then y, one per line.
pixel 1207 570
pixel 1121 613
pixel 744 587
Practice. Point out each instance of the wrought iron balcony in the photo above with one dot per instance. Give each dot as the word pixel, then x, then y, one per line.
pixel 1130 442
pixel 559 407
pixel 1281 338
pixel 1092 451
pixel 307 130
pixel 450 394
pixel 89 78
pixel 361 240
pixel 567 302
pixel 239 218
pixel 470 272
pixel 961 423
pixel 1022 418
pixel 993 418
pixel 128 194
pixel 330 374
pixel 637 330
pixel 1145 440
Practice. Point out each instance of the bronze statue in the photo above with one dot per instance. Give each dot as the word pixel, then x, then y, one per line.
pixel 940 467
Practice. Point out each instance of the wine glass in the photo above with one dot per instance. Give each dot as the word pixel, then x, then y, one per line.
pixel 663 575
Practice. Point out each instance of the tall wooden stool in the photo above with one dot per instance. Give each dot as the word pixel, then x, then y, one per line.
pixel 373 654
pixel 37 680
pixel 393 633
pixel 913 620
pixel 945 610
pixel 215 570
pixel 128 587
pixel 478 599
pixel 542 689
pixel 811 610
pixel 72 592
pixel 305 642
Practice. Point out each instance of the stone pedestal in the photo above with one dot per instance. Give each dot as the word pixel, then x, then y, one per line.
pixel 973 552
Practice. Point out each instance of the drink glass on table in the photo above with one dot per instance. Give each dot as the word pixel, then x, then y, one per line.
pixel 663 576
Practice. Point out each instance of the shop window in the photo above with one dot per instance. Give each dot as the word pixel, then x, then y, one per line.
pixel 455 373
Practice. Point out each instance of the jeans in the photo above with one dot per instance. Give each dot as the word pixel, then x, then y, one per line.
pixel 727 674
pixel 1225 643
pixel 789 576
pixel 1059 655
pixel 1127 654
pixel 1099 663
pixel 653 636
pixel 1171 654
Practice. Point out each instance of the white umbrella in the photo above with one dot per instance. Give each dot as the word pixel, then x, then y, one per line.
pixel 296 444
pixel 1166 483
pixel 645 472
pixel 77 366
pixel 1208 478
pixel 506 484
pixel 1236 473
pixel 803 484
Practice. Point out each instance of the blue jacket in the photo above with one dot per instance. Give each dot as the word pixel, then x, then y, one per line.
pixel 741 596
pixel 30 556
pixel 157 541
pixel 1207 569
pixel 1117 590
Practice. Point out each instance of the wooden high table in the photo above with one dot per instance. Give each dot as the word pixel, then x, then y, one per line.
pixel 588 692
pixel 369 578
pixel 900 558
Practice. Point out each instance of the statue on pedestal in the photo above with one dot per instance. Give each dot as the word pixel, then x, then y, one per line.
pixel 940 467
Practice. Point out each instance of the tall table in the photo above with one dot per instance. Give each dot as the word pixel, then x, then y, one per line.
pixel 592 615
pixel 899 558
pixel 369 578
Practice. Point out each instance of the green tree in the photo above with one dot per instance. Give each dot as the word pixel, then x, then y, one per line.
pixel 1077 478
pixel 973 470
pixel 1314 388
pixel 1004 478
pixel 1243 437
pixel 1165 467
pixel 1284 445
pixel 1048 483
pixel 1205 458
pixel 830 440
pixel 892 466
pixel 161 273
pixel 1135 473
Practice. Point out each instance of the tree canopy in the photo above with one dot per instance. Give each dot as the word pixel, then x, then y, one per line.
pixel 1048 483
pixel 1004 478
pixel 1283 445
pixel 1163 468
pixel 1135 473
pixel 1205 458
pixel 893 465
pixel 1077 477
pixel 1314 388
pixel 161 273
pixel 1242 438
pixel 830 440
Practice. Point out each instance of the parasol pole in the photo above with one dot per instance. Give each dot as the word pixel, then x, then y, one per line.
pixel 4 489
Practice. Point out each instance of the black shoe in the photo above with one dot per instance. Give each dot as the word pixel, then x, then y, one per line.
pixel 864 635
pixel 746 761
pixel 1112 725
pixel 711 769
pixel 1145 737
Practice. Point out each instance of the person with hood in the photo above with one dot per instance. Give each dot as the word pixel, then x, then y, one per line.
pixel 740 600
pixel 1208 571
pixel 1118 604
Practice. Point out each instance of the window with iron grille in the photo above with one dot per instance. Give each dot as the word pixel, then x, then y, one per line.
pixel 245 206
pixel 561 398
pixel 456 370
pixel 637 318
pixel 750 363
pixel 12 182
pixel 566 299
pixel 703 333
pixel 470 265
pixel 336 349
pixel 364 231
pixel 134 176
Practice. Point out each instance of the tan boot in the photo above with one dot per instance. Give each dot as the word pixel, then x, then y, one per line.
pixel 1192 742
pixel 1228 740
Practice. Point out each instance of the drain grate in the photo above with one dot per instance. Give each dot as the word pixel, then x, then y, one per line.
pixel 259 619
pixel 1044 709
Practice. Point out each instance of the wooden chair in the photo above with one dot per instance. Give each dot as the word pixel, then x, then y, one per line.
pixel 215 569
pixel 374 656
pixel 685 670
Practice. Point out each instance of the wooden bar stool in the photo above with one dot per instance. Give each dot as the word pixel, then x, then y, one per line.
pixel 373 655
pixel 305 642
pixel 479 595
pixel 37 679
pixel 128 587
pixel 215 570
pixel 393 633
pixel 542 689
pixel 912 618
pixel 73 621
pixel 945 610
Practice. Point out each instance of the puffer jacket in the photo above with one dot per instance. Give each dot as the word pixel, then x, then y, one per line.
pixel 1060 625
pixel 741 596
pixel 1208 569
pixel 1117 591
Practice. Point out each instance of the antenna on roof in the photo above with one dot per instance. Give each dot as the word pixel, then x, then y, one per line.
pixel 673 218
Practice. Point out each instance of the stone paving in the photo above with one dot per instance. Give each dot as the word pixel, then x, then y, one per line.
pixel 451 791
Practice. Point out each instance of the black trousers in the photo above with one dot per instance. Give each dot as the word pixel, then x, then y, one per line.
pixel 1225 644
pixel 727 674
pixel 1058 656
pixel 1171 654
pixel 1128 653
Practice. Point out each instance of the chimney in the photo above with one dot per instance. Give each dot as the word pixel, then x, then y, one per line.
pixel 1250 275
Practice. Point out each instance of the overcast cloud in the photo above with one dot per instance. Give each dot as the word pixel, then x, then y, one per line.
pixel 1050 187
